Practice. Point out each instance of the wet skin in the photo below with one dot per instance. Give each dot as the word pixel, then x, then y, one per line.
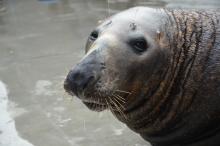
pixel 158 71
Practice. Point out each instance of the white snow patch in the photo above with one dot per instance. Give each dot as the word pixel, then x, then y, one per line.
pixel 26 36
pixel 118 131
pixel 48 114
pixel 59 99
pixel 97 129
pixel 43 87
pixel 65 120
pixel 118 1
pixel 8 134
pixel 100 115
pixel 140 145
pixel 59 109
pixel 75 140
pixel 15 111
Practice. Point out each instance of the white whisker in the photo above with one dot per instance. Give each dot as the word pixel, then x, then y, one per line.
pixel 119 98
pixel 118 108
pixel 119 103
pixel 123 91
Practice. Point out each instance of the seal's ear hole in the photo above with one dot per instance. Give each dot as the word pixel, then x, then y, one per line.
pixel 139 45
pixel 94 35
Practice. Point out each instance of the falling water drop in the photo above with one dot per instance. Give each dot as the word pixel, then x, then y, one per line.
pixel 84 125
pixel 108 8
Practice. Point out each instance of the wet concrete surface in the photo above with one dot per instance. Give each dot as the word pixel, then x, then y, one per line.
pixel 39 42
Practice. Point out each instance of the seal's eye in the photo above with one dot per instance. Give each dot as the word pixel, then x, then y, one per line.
pixel 139 44
pixel 94 35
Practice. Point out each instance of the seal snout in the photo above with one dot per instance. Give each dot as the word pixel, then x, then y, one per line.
pixel 77 81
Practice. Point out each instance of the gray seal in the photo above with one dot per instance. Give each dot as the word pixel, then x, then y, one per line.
pixel 158 71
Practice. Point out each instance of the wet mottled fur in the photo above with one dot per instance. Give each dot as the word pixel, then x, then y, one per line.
pixel 183 101
pixel 173 99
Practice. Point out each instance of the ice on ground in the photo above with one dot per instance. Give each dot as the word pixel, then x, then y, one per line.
pixel 59 109
pixel 8 134
pixel 43 87
pixel 76 140
pixel 14 110
pixel 118 131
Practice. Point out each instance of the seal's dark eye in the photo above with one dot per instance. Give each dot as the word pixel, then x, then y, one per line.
pixel 139 44
pixel 94 35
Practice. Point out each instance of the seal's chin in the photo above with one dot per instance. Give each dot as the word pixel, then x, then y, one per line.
pixel 90 96
pixel 94 101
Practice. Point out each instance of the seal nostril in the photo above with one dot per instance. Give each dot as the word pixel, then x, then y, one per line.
pixel 88 82
pixel 102 66
pixel 77 81
pixel 76 76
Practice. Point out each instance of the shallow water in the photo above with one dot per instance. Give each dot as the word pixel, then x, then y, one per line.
pixel 39 42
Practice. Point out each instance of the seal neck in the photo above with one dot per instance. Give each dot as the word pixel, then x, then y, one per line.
pixel 190 39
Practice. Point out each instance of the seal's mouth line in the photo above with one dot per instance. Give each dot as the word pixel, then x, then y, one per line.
pixel 96 106
pixel 92 101
pixel 70 93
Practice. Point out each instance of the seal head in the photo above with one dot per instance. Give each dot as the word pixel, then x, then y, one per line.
pixel 122 55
